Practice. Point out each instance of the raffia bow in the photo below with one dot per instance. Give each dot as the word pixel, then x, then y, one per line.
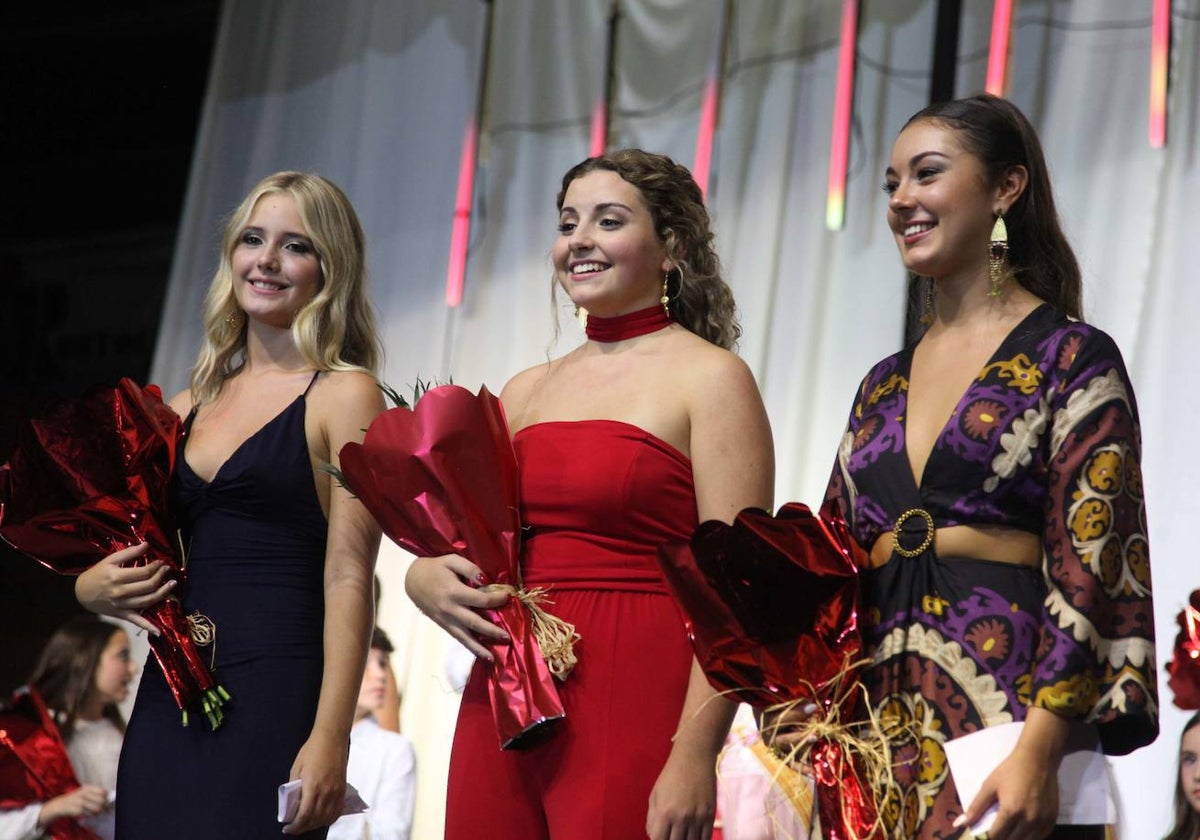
pixel 554 636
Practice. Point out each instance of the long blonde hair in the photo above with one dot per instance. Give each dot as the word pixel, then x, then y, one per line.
pixel 336 329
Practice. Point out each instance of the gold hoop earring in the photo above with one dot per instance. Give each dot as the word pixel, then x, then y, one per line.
pixel 998 256
pixel 234 319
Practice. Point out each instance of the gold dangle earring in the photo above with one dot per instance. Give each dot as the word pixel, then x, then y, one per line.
pixel 998 255
pixel 234 319
pixel 665 300
pixel 927 315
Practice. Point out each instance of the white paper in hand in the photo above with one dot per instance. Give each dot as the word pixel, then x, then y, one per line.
pixel 1084 790
pixel 289 801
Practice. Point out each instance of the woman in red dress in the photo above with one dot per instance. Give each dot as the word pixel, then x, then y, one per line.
pixel 625 443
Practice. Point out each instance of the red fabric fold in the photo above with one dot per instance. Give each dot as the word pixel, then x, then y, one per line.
pixel 442 479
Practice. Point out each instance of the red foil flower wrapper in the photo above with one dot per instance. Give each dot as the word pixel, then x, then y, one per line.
pixel 92 477
pixel 442 479
pixel 34 765
pixel 1184 667
pixel 771 604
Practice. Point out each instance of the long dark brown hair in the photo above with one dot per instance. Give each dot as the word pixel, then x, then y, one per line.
pixel 1187 819
pixel 999 135
pixel 700 299
pixel 66 671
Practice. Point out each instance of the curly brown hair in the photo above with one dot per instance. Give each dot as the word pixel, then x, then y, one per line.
pixel 700 299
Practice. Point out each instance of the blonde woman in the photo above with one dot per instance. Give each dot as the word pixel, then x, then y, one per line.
pixel 279 558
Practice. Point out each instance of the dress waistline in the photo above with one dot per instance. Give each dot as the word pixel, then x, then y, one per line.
pixel 598 579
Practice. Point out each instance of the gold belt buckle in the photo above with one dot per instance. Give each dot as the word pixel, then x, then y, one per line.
pixel 930 528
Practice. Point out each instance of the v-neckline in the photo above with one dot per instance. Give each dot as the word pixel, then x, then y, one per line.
pixel 237 450
pixel 919 481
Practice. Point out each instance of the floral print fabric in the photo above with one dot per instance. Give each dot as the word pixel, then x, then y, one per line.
pixel 1044 440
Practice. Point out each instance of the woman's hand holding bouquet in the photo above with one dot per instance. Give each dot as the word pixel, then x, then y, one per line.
pixel 89 484
pixel 772 609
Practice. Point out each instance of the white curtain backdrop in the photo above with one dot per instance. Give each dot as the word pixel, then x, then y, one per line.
pixel 375 95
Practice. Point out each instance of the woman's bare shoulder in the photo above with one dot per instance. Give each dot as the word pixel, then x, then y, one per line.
pixel 182 403
pixel 346 396
pixel 518 390
pixel 708 363
pixel 348 384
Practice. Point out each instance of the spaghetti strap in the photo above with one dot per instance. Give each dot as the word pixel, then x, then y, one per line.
pixel 312 382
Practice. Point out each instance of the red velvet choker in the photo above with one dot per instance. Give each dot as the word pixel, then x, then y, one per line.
pixel 643 321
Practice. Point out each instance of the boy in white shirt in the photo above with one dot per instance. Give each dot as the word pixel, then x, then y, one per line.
pixel 382 764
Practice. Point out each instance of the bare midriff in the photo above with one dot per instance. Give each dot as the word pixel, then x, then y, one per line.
pixel 1003 545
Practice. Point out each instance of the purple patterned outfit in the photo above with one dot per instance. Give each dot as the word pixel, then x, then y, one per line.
pixel 1045 440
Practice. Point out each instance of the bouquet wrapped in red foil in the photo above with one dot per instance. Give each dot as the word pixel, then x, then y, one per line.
pixel 34 765
pixel 772 609
pixel 91 478
pixel 442 479
pixel 1184 667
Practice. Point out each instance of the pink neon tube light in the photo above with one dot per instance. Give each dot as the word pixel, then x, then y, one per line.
pixel 1160 54
pixel 997 69
pixel 461 231
pixel 710 104
pixel 843 103
pixel 600 106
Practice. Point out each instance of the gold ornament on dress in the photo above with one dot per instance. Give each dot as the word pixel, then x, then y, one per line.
pixel 930 528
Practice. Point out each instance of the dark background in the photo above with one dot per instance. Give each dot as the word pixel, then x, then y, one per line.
pixel 100 111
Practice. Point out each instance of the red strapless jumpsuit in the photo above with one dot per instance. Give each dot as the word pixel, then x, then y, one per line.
pixel 598 498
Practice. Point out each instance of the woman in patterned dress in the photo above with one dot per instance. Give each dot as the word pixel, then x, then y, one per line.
pixel 992 472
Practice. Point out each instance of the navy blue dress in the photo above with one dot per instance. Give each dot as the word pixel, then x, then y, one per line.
pixel 255 540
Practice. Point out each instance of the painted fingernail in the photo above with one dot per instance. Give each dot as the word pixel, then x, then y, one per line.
pixel 171 583
pixel 959 821
pixel 481 578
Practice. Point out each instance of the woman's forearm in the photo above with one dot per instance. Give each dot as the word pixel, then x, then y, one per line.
pixel 706 718
pixel 349 615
